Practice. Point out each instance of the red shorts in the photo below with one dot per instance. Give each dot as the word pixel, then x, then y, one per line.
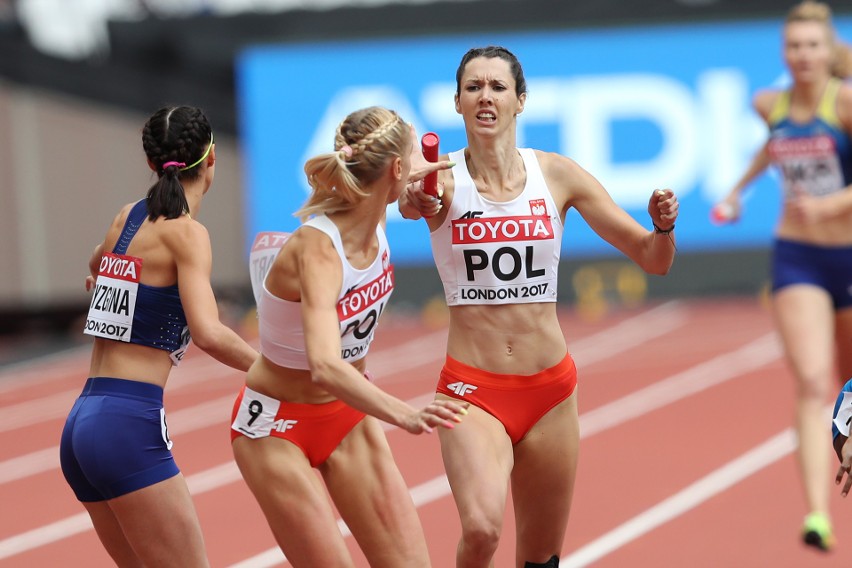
pixel 517 401
pixel 317 429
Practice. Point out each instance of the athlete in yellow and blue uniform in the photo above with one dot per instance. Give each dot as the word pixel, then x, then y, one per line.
pixel 809 143
pixel 815 159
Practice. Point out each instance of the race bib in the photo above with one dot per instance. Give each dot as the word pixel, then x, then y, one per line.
pixel 810 166
pixel 256 415
pixel 359 311
pixel 114 299
pixel 844 414
pixel 500 259
pixel 263 252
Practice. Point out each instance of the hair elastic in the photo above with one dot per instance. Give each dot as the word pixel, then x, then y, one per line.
pixel 347 150
pixel 178 164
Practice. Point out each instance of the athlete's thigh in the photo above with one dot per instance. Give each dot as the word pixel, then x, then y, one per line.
pixel 111 536
pixel 843 327
pixel 805 318
pixel 477 456
pixel 372 497
pixel 293 500
pixel 161 525
pixel 543 481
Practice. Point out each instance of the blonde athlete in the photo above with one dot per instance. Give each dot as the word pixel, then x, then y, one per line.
pixel 496 234
pixel 308 401
pixel 810 141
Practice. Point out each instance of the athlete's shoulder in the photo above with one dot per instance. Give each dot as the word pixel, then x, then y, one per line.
pixel 182 233
pixel 764 101
pixel 312 242
pixel 844 104
pixel 553 161
pixel 560 170
pixel 122 214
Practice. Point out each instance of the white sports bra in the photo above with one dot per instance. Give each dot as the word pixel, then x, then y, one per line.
pixel 363 296
pixel 491 252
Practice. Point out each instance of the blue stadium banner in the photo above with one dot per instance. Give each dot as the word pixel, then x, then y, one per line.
pixel 640 108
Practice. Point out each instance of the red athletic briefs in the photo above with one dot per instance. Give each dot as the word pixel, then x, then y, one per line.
pixel 317 429
pixel 517 401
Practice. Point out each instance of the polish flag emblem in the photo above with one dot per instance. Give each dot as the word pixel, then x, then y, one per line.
pixel 538 207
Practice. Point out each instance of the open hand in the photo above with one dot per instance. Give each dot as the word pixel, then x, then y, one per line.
pixel 443 413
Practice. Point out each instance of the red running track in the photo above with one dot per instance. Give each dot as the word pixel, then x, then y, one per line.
pixel 686 456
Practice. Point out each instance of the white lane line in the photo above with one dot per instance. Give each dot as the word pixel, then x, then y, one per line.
pixel 717 370
pixel 199 483
pixel 44 369
pixel 628 334
pixel 716 482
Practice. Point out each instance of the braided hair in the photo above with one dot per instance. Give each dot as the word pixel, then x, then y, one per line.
pixel 365 142
pixel 172 138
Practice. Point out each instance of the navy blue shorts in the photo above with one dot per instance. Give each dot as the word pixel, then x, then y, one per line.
pixel 829 268
pixel 115 440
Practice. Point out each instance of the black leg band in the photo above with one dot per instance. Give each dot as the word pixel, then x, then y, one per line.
pixel 552 563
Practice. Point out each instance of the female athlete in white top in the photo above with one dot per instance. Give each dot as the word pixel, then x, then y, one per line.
pixel 307 403
pixel 495 237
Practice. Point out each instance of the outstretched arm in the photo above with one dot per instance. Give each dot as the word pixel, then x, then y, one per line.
pixel 320 276
pixel 653 250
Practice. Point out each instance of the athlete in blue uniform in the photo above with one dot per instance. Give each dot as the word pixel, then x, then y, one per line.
pixel 150 280
pixel 809 142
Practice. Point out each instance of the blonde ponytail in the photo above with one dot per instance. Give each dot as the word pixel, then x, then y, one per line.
pixel 365 142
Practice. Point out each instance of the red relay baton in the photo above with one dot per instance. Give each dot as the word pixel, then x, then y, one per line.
pixel 429 144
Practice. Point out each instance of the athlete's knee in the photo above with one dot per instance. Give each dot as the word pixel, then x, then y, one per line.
pixel 552 563
pixel 481 538
pixel 814 384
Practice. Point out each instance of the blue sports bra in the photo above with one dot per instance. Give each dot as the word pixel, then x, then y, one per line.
pixel 158 319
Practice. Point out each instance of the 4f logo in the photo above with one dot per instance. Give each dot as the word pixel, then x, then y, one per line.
pixel 284 425
pixel 462 389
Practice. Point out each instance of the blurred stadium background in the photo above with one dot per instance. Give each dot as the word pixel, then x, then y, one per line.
pixel 644 93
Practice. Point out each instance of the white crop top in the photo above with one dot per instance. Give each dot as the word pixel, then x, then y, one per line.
pixel 362 299
pixel 499 253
